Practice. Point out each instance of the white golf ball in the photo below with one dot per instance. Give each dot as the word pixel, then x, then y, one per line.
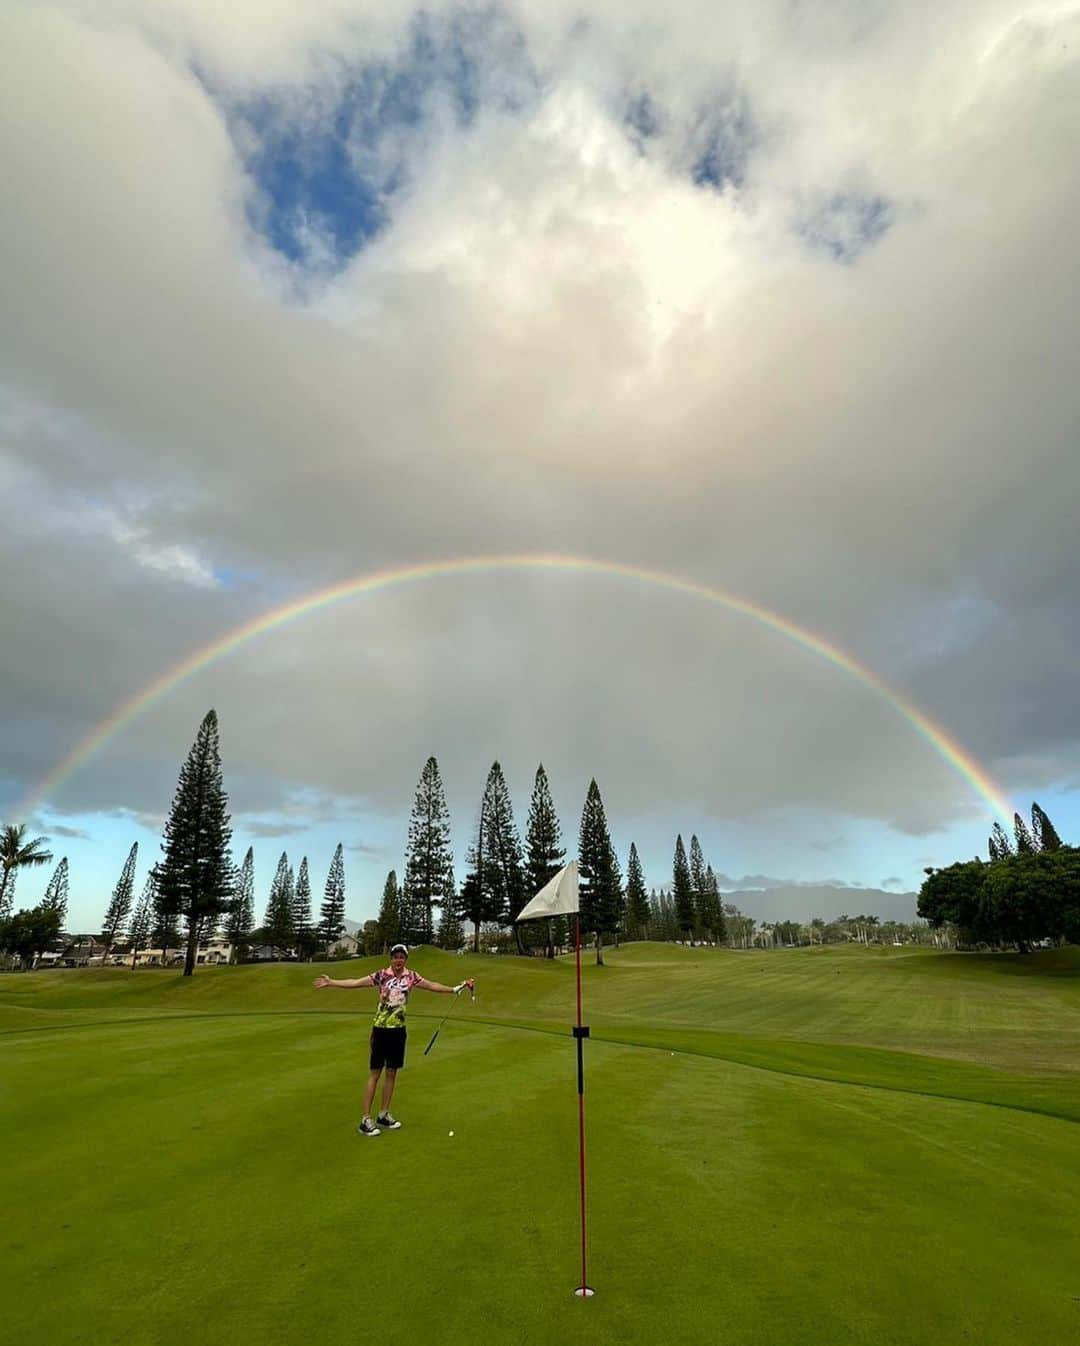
pixel 451 1133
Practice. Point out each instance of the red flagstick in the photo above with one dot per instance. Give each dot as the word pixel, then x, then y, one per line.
pixel 584 1290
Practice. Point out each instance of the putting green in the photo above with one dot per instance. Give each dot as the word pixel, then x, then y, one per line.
pixel 847 1146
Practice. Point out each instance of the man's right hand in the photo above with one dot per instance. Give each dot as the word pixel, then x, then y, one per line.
pixel 321 983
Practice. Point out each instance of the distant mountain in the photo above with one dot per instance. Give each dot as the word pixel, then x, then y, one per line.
pixel 775 900
pixel 802 901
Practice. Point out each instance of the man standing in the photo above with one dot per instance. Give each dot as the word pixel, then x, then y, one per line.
pixel 388 1032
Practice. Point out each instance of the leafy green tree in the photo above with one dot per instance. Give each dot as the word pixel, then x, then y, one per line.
pixel 638 914
pixel 142 919
pixel 195 878
pixel 600 888
pixel 429 861
pixel 278 925
pixel 1015 907
pixel 545 855
pixel 370 938
pixel 17 851
pixel 240 918
pixel 56 892
pixel 683 891
pixel 27 933
pixel 1031 897
pixel 332 915
pixel 953 896
pixel 739 927
pixel 120 904
pixel 1043 833
pixel 389 920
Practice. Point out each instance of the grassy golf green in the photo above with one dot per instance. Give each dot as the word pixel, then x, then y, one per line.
pixel 847 1145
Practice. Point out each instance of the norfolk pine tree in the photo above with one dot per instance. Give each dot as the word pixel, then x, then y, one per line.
pixel 429 861
pixel 683 891
pixel 638 913
pixel 240 920
pixel 195 877
pixel 165 928
pixel 1043 832
pixel 484 894
pixel 545 853
pixel 712 910
pixel 1024 842
pixel 332 913
pixel 697 883
pixel 451 933
pixel 120 904
pixel 306 937
pixel 389 921
pixel 278 926
pixel 507 868
pixel 142 919
pixel 1000 845
pixel 662 923
pixel 56 893
pixel 600 888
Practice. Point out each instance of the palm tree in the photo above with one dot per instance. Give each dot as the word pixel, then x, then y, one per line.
pixel 18 853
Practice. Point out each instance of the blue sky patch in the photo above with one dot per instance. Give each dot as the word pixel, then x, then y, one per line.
pixel 722 145
pixel 642 119
pixel 848 224
pixel 328 161
pixel 309 189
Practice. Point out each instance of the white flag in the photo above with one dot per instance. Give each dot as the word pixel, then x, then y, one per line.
pixel 559 897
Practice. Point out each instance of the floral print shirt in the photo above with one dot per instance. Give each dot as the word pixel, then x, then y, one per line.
pixel 393 996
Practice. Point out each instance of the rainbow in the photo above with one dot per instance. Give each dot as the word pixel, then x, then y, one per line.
pixel 380 580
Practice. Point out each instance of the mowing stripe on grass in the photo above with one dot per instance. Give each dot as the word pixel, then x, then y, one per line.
pixel 874 1068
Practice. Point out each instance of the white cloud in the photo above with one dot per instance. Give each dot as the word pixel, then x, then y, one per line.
pixel 176 561
pixel 557 342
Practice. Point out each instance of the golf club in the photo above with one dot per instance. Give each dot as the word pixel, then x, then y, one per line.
pixel 457 996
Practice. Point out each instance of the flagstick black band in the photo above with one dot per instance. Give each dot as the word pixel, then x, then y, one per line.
pixel 581 1032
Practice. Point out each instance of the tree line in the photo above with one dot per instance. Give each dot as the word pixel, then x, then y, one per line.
pixel 504 872
pixel 196 892
pixel 1027 892
pixel 193 894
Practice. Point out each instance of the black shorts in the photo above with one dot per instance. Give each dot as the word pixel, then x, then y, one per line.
pixel 387 1048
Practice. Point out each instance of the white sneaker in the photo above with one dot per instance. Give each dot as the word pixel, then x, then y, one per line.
pixel 387 1122
pixel 368 1128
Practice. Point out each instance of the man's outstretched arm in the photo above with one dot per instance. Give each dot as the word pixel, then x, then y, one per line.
pixel 426 985
pixel 352 984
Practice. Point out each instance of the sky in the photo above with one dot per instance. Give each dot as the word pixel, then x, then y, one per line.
pixel 778 302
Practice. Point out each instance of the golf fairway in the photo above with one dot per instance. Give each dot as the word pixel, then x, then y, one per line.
pixel 848 1145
